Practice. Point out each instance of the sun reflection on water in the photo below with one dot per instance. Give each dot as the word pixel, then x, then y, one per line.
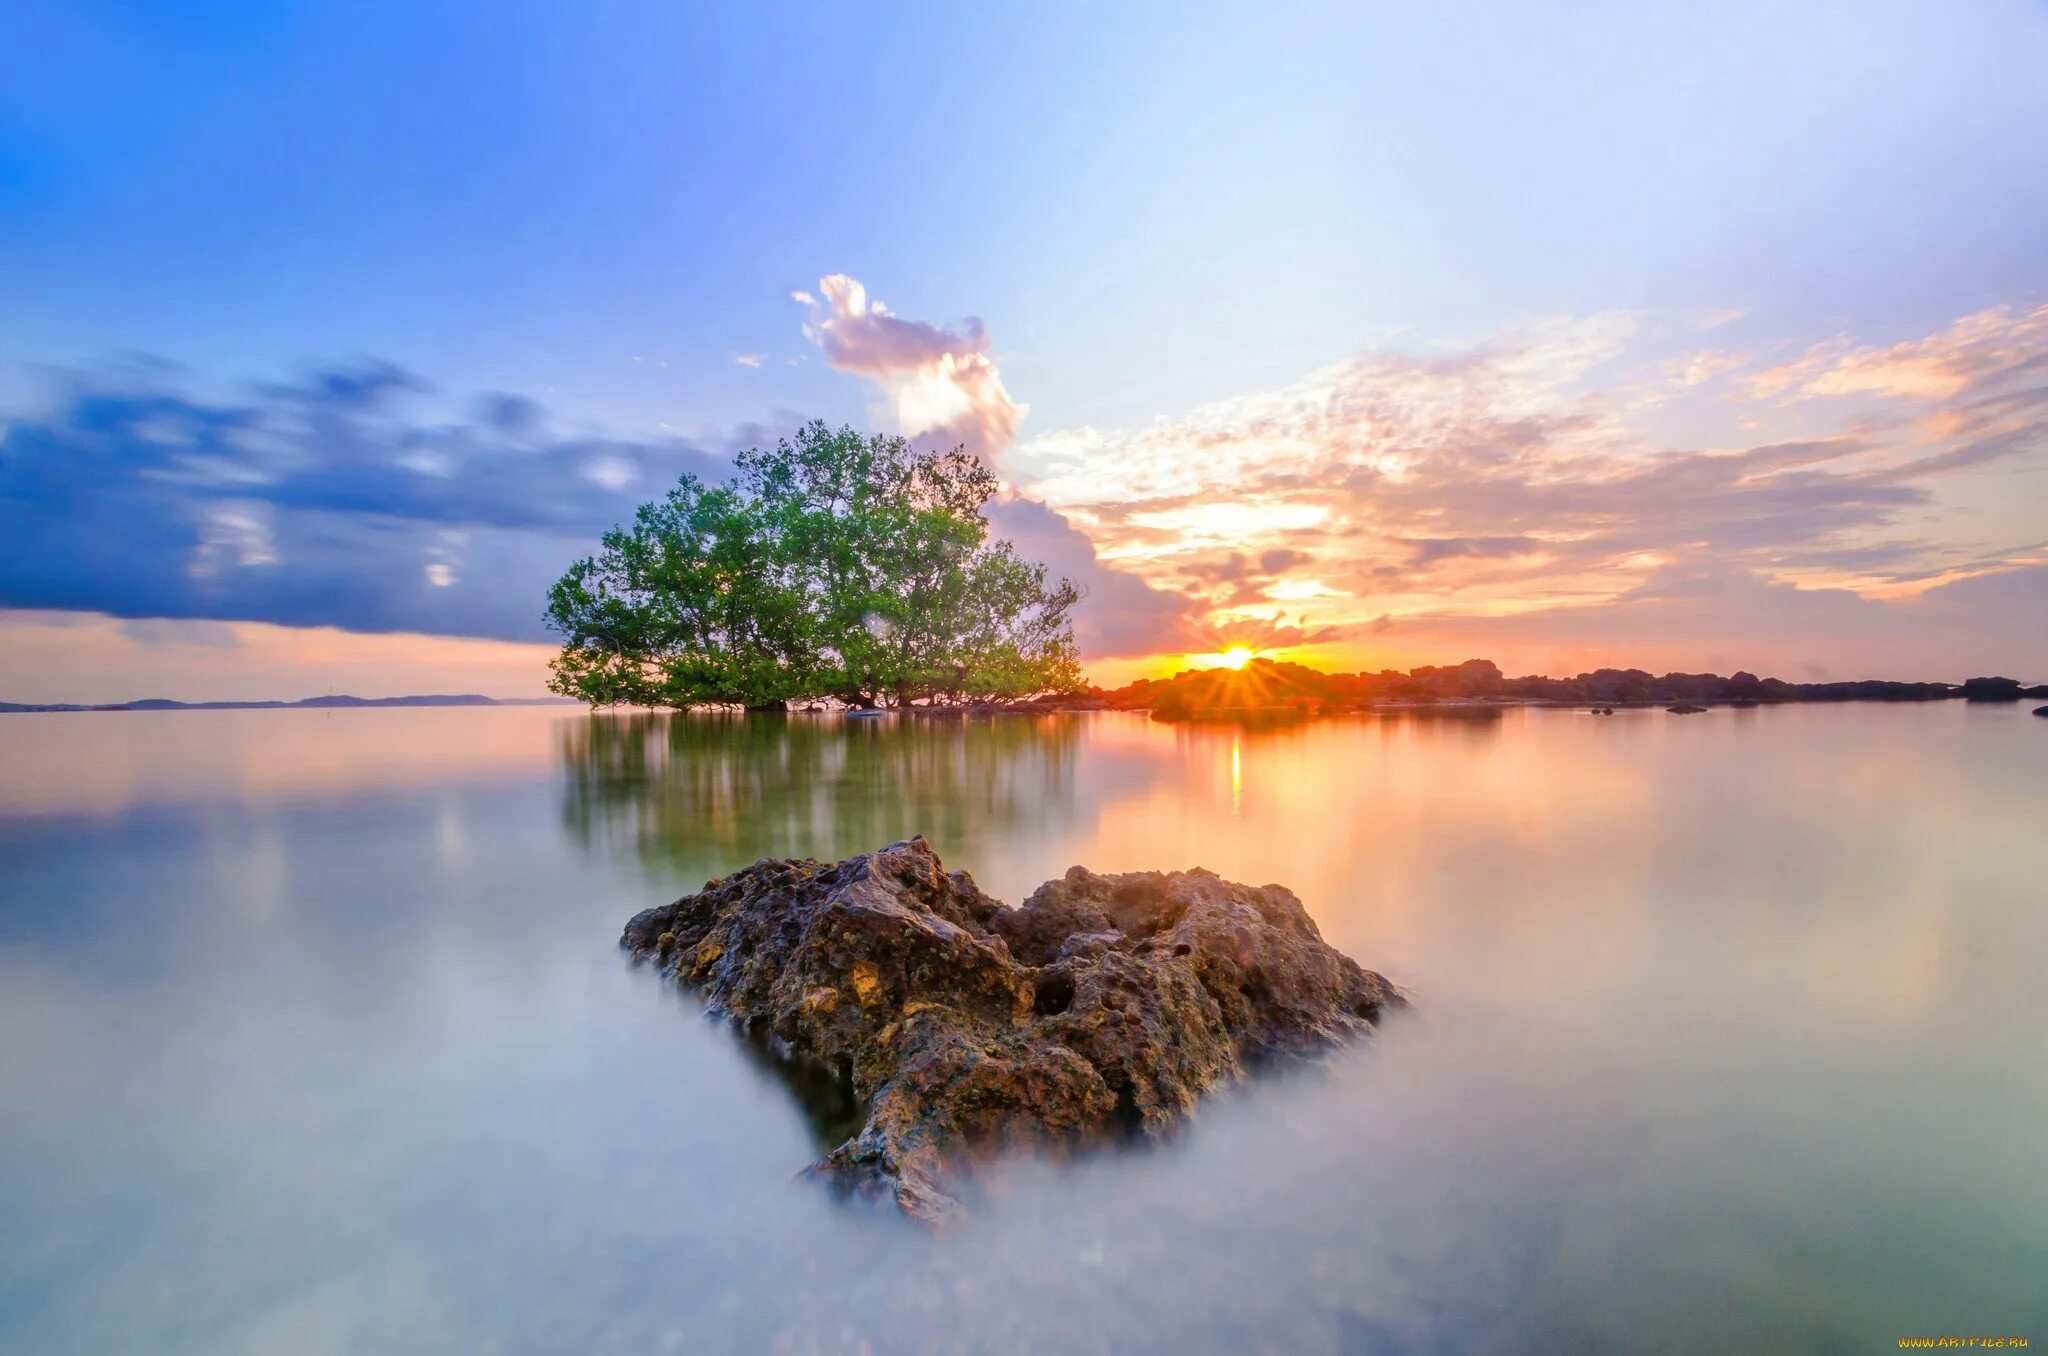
pixel 1236 776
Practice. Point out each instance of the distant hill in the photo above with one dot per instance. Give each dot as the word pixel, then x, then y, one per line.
pixel 304 704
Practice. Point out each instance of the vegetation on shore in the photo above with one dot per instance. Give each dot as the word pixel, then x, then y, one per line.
pixel 832 567
pixel 1275 688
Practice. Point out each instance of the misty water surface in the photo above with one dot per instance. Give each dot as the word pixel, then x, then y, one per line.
pixel 314 1036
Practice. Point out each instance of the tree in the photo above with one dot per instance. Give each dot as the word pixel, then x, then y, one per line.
pixel 686 609
pixel 832 566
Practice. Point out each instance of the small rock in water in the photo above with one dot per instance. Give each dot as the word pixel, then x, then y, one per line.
pixel 2041 710
pixel 1686 709
pixel 1103 1006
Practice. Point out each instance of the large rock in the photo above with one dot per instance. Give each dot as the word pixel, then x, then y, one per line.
pixel 1104 1006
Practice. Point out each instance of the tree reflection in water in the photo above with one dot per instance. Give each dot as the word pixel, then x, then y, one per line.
pixel 699 794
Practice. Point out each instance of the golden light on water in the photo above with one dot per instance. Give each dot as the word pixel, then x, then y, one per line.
pixel 1236 775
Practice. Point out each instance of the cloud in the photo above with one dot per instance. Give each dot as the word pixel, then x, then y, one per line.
pixel 1725 618
pixel 750 359
pixel 327 501
pixel 1877 497
pixel 94 658
pixel 1516 477
pixel 1238 578
pixel 941 384
pixel 1122 616
pixel 1990 350
pixel 1703 367
pixel 1429 550
pixel 332 501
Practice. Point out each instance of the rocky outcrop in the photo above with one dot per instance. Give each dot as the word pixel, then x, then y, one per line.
pixel 1104 1006
pixel 1686 709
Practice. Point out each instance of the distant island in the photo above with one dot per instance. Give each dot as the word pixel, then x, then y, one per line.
pixel 1273 689
pixel 303 704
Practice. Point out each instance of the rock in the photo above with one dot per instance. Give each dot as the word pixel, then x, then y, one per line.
pixel 1104 1006
pixel 2041 710
pixel 1686 709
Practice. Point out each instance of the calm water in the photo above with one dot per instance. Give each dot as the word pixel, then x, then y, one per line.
pixel 314 1037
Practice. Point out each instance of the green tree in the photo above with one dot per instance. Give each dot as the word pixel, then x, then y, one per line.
pixel 686 609
pixel 832 566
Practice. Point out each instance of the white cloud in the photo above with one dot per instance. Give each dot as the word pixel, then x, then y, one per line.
pixel 941 384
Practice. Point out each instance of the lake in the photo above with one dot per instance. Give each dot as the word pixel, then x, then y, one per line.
pixel 315 1036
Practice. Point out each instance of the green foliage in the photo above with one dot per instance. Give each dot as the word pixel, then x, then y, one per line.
pixel 832 566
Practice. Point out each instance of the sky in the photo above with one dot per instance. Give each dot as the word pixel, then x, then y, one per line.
pixel 1672 336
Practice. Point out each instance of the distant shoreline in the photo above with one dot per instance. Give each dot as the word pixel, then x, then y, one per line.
pixel 1265 689
pixel 339 703
pixel 1268 690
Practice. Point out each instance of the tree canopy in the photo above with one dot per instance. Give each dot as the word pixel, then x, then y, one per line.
pixel 833 566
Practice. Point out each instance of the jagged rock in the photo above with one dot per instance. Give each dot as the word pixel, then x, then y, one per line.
pixel 1103 1006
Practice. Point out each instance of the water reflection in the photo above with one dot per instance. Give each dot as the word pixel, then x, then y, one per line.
pixel 713 792
pixel 103 763
pixel 314 1037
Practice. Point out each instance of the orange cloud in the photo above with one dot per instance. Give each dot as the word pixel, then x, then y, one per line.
pixel 1976 351
pixel 1395 493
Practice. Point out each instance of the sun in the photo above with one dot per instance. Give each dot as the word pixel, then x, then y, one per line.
pixel 1234 657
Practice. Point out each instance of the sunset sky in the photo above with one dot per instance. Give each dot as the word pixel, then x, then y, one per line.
pixel 1703 337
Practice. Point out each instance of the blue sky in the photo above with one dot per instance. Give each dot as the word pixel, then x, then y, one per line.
pixel 1152 208
pixel 524 196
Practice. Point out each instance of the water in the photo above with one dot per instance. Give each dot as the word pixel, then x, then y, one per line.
pixel 314 1036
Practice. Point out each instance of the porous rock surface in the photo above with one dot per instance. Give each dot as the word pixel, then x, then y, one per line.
pixel 1105 1005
